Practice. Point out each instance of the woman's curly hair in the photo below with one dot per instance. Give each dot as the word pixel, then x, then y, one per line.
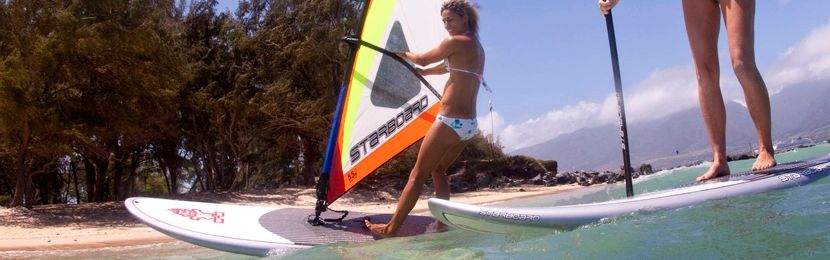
pixel 461 8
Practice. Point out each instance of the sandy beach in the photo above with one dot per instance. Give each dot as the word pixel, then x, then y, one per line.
pixel 97 225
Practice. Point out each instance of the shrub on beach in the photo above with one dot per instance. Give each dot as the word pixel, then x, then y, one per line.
pixel 4 200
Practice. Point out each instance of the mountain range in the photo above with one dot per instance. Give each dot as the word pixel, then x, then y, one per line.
pixel 800 113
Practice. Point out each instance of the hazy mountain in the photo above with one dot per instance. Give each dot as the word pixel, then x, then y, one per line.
pixel 679 139
pixel 802 110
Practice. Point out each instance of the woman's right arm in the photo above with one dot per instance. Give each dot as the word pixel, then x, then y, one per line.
pixel 444 49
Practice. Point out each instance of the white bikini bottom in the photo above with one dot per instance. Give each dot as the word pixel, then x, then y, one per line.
pixel 465 128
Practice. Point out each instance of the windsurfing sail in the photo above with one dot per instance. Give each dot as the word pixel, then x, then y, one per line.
pixel 384 105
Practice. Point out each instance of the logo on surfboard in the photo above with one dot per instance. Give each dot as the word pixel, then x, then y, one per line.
pixel 198 214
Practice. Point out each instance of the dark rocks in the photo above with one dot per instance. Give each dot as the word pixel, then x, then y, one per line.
pixel 604 177
pixel 483 179
pixel 645 169
pixel 582 181
pixel 538 181
pixel 459 187
pixel 738 157
pixel 514 171
pixel 614 177
pixel 563 178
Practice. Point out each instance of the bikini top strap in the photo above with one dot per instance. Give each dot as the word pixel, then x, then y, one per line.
pixel 479 76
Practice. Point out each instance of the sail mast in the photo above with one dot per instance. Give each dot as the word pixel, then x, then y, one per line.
pixel 325 174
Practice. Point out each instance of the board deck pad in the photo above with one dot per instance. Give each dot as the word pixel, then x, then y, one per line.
pixel 754 175
pixel 292 224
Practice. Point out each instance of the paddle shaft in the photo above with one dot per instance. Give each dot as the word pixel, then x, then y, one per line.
pixel 615 63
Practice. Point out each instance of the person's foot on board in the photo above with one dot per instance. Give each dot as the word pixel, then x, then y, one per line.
pixel 765 160
pixel 716 170
pixel 378 230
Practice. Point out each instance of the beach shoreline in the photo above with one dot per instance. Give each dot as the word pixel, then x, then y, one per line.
pixel 101 225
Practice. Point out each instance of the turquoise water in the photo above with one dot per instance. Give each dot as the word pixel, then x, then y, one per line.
pixel 790 223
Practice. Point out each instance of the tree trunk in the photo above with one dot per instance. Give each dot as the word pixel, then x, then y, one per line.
pixel 164 172
pixel 170 163
pixel 174 180
pixel 212 169
pixel 310 159
pixel 22 179
pixel 29 192
pixel 228 174
pixel 46 183
pixel 118 172
pixel 246 175
pixel 215 172
pixel 236 180
pixel 74 168
pixel 130 182
pixel 101 189
pixel 89 170
pixel 210 159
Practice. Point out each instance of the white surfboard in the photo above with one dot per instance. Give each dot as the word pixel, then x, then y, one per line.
pixel 483 218
pixel 254 230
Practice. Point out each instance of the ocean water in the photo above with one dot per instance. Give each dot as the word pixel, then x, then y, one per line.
pixel 790 223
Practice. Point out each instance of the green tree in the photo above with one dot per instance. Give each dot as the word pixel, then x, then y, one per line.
pixel 99 77
pixel 29 117
pixel 298 64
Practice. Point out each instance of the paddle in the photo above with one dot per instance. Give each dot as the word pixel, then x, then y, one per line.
pixel 615 63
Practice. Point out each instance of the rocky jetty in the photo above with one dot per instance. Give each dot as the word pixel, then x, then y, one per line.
pixel 512 171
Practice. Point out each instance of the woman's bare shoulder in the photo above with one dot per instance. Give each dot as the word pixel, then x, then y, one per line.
pixel 459 41
pixel 461 38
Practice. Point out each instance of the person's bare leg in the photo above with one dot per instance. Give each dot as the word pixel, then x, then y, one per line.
pixel 439 175
pixel 438 140
pixel 739 17
pixel 440 181
pixel 702 27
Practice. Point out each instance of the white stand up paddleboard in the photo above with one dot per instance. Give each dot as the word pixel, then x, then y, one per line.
pixel 482 218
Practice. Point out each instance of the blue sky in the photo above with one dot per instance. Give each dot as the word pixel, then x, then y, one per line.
pixel 549 65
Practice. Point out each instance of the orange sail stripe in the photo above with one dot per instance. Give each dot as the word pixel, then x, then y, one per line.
pixel 412 133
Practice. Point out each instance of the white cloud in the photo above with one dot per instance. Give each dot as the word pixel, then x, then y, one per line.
pixel 549 125
pixel 488 122
pixel 808 60
pixel 662 93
